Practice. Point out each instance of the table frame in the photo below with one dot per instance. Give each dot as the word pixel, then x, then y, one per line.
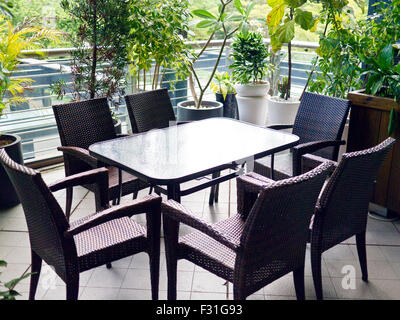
pixel 173 190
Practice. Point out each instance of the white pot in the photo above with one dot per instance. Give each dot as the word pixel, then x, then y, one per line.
pixel 282 111
pixel 252 89
pixel 253 109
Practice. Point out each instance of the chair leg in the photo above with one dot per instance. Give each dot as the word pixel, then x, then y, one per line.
pixel 68 203
pixel 171 232
pixel 362 255
pixel 154 275
pixel 109 265
pixel 135 194
pixel 298 278
pixel 73 287
pixel 316 272
pixel 35 268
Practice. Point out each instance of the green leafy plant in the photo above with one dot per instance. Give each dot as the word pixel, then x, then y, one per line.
pixel 5 7
pixel 9 293
pixel 383 79
pixel 282 87
pixel 281 21
pixel 157 30
pixel 223 22
pixel 249 58
pixel 13 40
pixel 337 61
pixel 223 84
pixel 99 61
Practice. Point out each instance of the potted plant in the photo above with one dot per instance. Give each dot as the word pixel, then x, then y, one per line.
pixel 225 92
pixel 100 55
pixel 249 68
pixel 157 51
pixel 281 22
pixel 12 41
pixel 198 108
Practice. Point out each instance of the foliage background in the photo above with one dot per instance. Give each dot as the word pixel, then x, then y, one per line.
pixel 63 22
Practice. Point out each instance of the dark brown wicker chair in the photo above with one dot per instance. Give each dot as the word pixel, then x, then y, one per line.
pixel 150 110
pixel 263 242
pixel 92 241
pixel 153 110
pixel 319 123
pixel 342 209
pixel 81 124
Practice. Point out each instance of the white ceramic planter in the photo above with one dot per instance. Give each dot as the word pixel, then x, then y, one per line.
pixel 252 89
pixel 282 112
pixel 253 109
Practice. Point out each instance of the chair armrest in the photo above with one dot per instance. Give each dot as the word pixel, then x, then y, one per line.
pixel 180 214
pixel 280 126
pixel 311 161
pixel 81 154
pixel 149 203
pixel 310 147
pixel 98 177
pixel 248 188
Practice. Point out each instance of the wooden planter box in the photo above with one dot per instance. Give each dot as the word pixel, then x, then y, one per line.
pixel 369 120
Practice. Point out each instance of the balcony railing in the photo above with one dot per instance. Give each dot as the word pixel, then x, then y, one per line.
pixel 34 121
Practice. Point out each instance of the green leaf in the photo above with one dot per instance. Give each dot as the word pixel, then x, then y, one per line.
pixel 285 32
pixel 393 121
pixel 249 8
pixel 11 284
pixel 273 3
pixel 3 263
pixel 295 3
pixel 275 16
pixel 204 14
pixel 304 19
pixel 205 24
pixel 385 59
pixel 377 85
pixel 239 6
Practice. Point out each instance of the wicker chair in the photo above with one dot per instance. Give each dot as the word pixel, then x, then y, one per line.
pixel 263 242
pixel 319 123
pixel 92 241
pixel 342 209
pixel 81 124
pixel 153 110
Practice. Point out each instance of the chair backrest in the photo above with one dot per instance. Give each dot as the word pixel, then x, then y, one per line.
pixel 275 234
pixel 45 220
pixel 83 123
pixel 150 110
pixel 345 199
pixel 321 118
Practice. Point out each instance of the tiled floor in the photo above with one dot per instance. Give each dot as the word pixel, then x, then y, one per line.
pixel 129 278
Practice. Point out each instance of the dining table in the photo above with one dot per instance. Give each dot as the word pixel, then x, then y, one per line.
pixel 166 158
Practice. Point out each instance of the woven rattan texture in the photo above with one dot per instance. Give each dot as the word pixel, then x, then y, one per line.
pixel 150 110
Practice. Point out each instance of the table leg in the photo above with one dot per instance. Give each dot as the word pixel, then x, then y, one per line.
pixel 174 192
pixel 214 189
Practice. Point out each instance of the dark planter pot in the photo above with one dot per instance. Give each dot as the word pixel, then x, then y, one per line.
pixel 230 105
pixel 118 127
pixel 8 195
pixel 215 109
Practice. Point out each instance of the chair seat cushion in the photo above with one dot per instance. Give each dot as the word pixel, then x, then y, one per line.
pixel 283 166
pixel 210 254
pixel 109 241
